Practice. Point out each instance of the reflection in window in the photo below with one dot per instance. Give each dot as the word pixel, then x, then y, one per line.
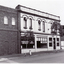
pixel 25 23
pixel 57 44
pixel 13 21
pixel 30 23
pixel 50 42
pixel 39 25
pixel 41 42
pixel 57 39
pixel 43 26
pixel 5 20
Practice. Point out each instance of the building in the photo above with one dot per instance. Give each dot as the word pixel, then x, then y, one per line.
pixel 36 30
pixel 62 37
pixel 24 29
pixel 9 31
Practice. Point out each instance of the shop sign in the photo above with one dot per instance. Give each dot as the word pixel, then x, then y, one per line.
pixel 24 42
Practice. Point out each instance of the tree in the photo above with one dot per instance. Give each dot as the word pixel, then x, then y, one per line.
pixel 55 26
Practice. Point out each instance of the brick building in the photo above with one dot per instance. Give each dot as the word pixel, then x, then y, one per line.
pixel 62 37
pixel 9 31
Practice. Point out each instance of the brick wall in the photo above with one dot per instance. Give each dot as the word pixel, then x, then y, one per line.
pixel 9 33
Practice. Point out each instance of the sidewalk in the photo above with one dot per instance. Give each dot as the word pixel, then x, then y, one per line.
pixel 33 54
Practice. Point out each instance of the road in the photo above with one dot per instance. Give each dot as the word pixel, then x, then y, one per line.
pixel 40 58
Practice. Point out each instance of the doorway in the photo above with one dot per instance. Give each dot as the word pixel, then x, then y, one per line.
pixel 54 42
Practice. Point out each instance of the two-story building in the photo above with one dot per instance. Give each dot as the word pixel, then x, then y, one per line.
pixel 9 31
pixel 23 29
pixel 36 30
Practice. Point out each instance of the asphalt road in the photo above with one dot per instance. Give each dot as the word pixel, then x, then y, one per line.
pixel 40 58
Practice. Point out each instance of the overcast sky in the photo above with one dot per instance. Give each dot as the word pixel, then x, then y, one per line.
pixel 55 7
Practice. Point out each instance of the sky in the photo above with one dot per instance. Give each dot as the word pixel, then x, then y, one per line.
pixel 55 7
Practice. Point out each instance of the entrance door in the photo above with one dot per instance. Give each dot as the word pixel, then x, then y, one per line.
pixel 54 43
pixel 38 44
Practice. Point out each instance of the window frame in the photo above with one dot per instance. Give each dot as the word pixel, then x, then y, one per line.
pixel 30 23
pixel 39 25
pixel 25 22
pixel 13 21
pixel 43 26
pixel 5 20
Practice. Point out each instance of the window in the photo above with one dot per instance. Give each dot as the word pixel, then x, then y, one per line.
pixel 57 39
pixel 5 20
pixel 41 42
pixel 43 26
pixel 30 23
pixel 13 21
pixel 50 39
pixel 25 23
pixel 57 44
pixel 50 42
pixel 39 25
pixel 27 42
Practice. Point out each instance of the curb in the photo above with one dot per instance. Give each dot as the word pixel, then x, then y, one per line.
pixel 33 54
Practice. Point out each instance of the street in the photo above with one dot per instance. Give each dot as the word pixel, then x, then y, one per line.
pixel 40 58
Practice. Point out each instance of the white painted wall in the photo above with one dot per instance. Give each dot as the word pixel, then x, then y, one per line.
pixel 35 24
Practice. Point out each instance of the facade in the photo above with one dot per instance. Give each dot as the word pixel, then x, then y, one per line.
pixel 9 31
pixel 36 30
pixel 62 37
pixel 24 29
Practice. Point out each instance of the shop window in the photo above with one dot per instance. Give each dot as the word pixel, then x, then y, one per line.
pixel 27 45
pixel 41 45
pixel 43 26
pixel 57 39
pixel 30 23
pixel 25 22
pixel 50 44
pixel 42 42
pixel 57 44
pixel 50 39
pixel 39 25
pixel 13 21
pixel 5 20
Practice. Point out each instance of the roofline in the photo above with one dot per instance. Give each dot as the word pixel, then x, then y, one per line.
pixel 8 7
pixel 38 10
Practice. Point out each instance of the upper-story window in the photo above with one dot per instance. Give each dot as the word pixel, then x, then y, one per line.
pixel 39 25
pixel 5 20
pixel 25 22
pixel 13 21
pixel 43 26
pixel 30 27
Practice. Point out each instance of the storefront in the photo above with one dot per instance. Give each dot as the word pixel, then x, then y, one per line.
pixel 41 43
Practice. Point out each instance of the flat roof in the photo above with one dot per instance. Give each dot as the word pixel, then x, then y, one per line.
pixel 34 11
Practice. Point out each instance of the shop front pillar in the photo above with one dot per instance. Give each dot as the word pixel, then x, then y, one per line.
pixel 35 43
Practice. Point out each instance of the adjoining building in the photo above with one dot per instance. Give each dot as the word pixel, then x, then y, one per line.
pixel 9 31
pixel 62 37
pixel 36 30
